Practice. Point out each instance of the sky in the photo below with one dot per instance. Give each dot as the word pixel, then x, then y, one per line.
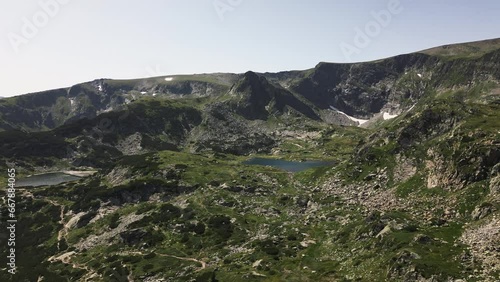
pixel 48 44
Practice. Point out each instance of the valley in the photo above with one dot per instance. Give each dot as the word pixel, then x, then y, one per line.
pixel 387 171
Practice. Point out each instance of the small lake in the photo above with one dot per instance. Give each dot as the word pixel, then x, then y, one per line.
pixel 290 166
pixel 52 178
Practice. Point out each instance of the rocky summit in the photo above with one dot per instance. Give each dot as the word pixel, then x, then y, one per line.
pixel 409 190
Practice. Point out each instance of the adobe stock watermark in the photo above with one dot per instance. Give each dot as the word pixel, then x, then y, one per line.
pixel 224 6
pixel 154 71
pixel 31 26
pixel 363 37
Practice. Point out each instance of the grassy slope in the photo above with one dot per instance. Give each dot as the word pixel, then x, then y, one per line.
pixel 221 226
pixel 464 50
pixel 261 224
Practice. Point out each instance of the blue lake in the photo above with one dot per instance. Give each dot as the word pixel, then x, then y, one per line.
pixel 290 166
pixel 52 178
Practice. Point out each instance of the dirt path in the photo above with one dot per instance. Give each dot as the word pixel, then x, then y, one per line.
pixel 66 259
pixel 61 232
pixel 300 146
pixel 203 264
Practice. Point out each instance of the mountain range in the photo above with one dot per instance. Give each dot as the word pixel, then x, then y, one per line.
pixel 411 191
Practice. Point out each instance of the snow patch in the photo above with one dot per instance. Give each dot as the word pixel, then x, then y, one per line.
pixel 358 120
pixel 144 92
pixel 100 87
pixel 72 103
pixel 419 75
pixel 169 78
pixel 154 94
pixel 388 116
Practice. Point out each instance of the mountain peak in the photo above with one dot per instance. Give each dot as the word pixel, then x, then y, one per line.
pixel 251 75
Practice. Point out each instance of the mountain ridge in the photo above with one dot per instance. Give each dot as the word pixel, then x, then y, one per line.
pixel 488 44
pixel 92 98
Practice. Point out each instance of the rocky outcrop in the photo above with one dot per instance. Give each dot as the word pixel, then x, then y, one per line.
pixel 405 169
pixel 484 240
pixel 255 98
pixel 440 173
pixel 495 181
pixel 134 236
pixel 223 131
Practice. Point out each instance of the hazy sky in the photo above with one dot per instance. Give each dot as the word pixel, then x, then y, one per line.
pixel 64 42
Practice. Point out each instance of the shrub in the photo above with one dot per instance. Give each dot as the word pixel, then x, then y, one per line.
pixel 114 221
pixel 169 212
pixel 221 225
